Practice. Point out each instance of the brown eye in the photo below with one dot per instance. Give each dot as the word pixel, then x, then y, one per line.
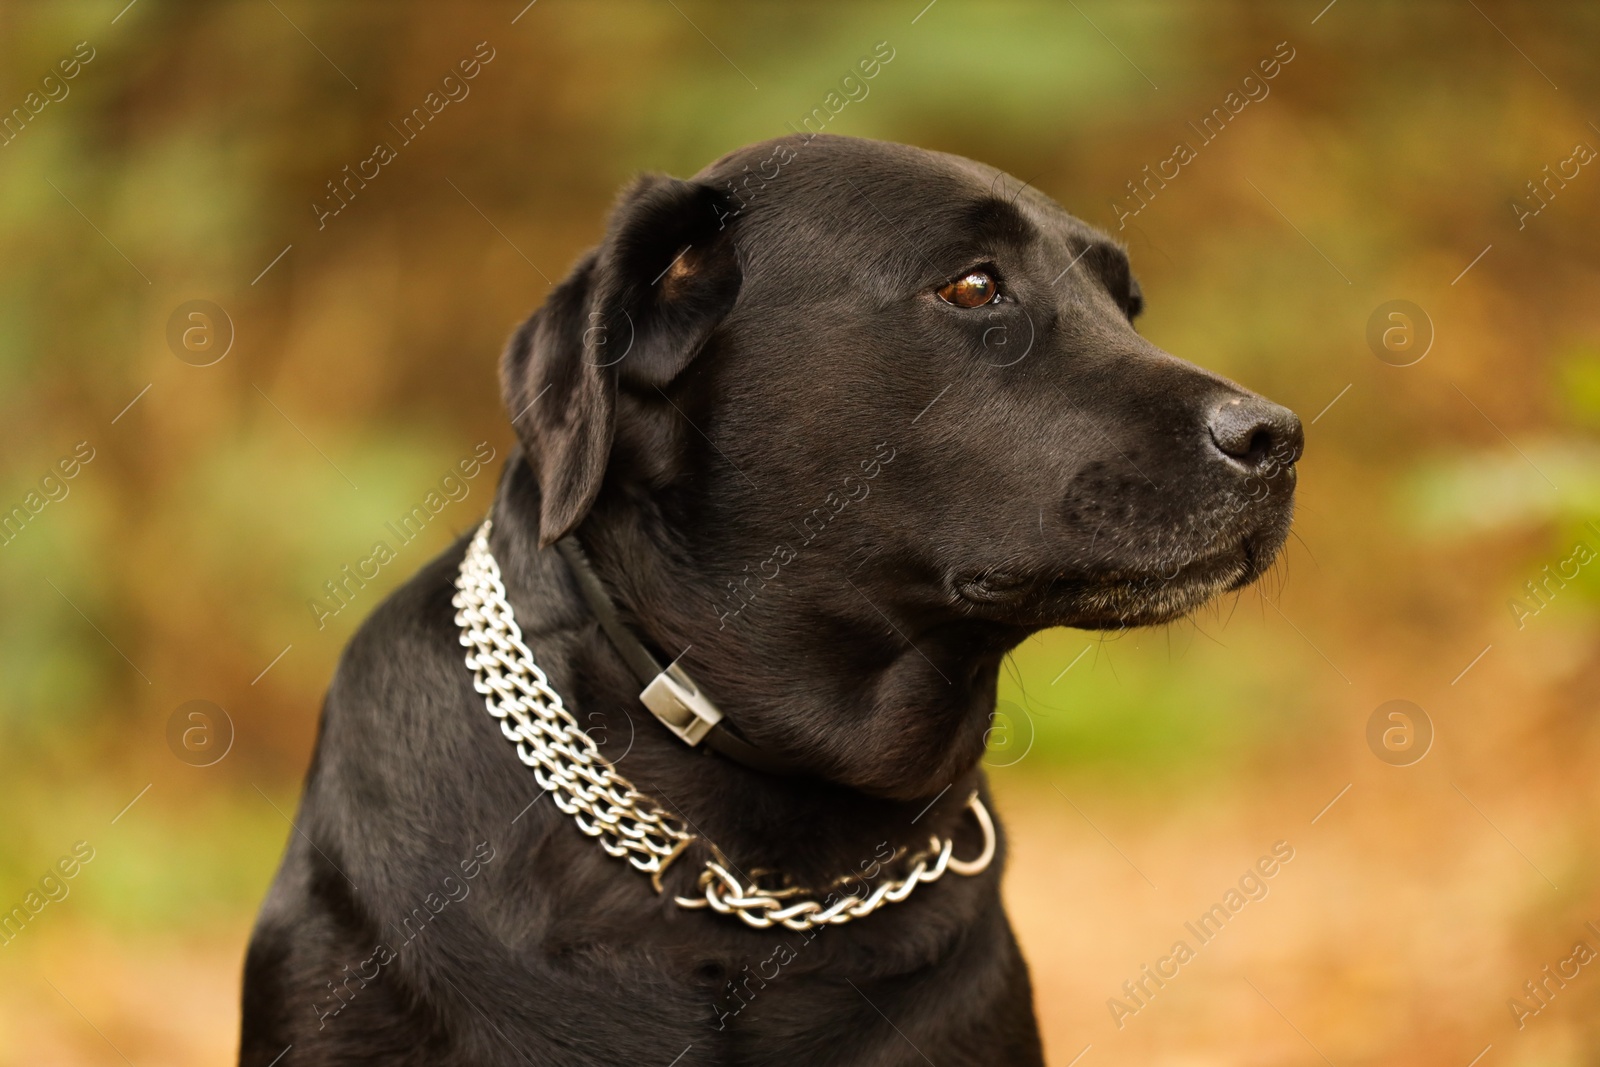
pixel 972 290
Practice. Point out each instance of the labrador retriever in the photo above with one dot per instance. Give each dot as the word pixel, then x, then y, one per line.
pixel 808 443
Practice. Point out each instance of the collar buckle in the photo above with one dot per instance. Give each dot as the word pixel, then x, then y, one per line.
pixel 673 698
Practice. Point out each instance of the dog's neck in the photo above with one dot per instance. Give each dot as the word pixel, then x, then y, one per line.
pixel 867 701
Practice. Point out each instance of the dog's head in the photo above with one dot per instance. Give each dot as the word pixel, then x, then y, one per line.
pixel 887 409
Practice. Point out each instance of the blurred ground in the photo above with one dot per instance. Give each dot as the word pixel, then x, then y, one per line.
pixel 1393 937
pixel 1419 152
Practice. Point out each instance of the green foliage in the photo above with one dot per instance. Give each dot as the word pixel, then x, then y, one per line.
pixel 188 156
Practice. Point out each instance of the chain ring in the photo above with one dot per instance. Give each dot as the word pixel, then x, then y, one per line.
pixel 628 824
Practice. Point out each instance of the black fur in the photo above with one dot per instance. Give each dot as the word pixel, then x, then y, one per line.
pixel 846 499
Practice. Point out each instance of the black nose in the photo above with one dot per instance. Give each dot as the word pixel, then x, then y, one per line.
pixel 1256 433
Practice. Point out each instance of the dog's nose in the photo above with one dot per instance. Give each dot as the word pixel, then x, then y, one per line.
pixel 1255 433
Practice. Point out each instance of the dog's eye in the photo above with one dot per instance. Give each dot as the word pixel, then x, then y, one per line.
pixel 972 290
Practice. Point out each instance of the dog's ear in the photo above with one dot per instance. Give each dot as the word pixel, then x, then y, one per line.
pixel 632 314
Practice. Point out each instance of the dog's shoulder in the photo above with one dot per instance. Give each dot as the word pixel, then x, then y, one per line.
pixel 409 641
pixel 406 749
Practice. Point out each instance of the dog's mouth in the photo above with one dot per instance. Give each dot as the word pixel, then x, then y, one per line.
pixel 1110 599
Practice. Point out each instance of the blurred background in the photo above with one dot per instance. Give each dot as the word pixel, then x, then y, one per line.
pixel 162 161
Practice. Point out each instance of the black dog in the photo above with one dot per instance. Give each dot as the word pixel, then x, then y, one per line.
pixel 837 424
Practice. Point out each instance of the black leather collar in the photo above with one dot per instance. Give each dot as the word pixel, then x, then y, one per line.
pixel 669 694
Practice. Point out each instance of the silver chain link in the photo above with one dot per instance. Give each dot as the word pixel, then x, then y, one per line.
pixel 605 805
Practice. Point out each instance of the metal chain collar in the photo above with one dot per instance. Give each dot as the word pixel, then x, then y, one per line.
pixel 605 805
